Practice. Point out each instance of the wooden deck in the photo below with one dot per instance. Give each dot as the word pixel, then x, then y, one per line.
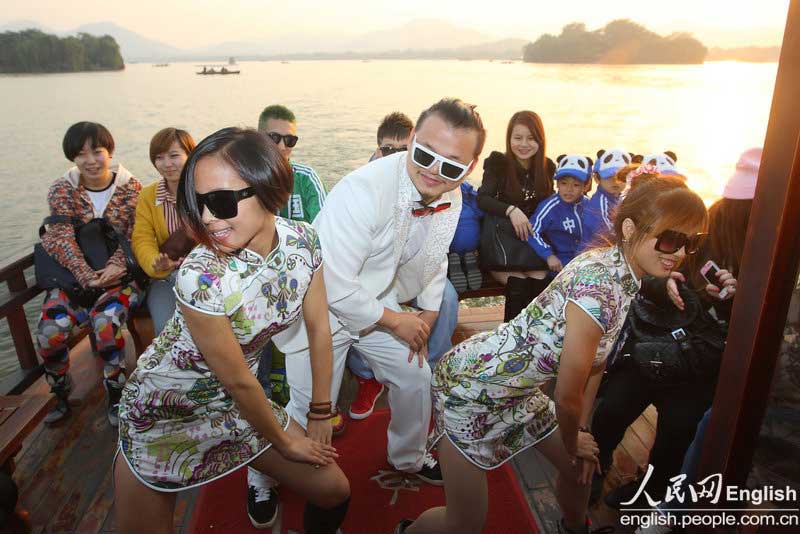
pixel 64 471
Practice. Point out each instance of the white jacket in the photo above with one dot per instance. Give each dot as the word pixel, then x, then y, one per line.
pixel 362 229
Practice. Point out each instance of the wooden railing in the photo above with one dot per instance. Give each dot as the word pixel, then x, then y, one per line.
pixel 20 292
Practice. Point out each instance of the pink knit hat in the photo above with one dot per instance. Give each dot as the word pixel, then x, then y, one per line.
pixel 742 183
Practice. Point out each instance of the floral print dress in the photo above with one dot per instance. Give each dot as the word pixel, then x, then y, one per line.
pixel 178 426
pixel 486 395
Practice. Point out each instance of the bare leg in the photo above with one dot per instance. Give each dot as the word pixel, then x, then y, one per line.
pixel 325 487
pixel 139 508
pixel 466 495
pixel 573 498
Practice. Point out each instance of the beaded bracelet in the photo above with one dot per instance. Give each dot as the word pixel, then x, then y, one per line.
pixel 323 418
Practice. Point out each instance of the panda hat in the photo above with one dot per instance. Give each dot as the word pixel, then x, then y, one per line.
pixel 574 165
pixel 664 162
pixel 609 162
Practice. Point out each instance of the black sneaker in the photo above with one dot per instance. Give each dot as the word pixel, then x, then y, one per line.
pixel 430 472
pixel 61 387
pixel 474 275
pixel 114 391
pixel 262 506
pixel 402 526
pixel 455 272
pixel 623 494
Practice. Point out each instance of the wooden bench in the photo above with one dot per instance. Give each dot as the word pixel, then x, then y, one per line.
pixel 19 416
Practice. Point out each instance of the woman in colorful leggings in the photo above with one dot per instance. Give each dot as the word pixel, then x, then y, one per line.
pixel 89 190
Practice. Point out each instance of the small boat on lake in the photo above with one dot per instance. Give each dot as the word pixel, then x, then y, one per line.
pixel 223 70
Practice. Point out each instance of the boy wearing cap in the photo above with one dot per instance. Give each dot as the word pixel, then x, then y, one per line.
pixel 557 225
pixel 610 185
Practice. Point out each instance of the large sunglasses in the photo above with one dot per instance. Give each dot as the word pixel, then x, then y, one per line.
pixel 389 150
pixel 289 140
pixel 670 242
pixel 426 158
pixel 223 203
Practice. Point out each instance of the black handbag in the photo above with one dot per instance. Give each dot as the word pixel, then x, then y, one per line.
pixel 501 249
pixel 669 346
pixel 98 240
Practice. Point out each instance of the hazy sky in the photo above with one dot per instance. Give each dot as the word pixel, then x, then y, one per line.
pixel 195 23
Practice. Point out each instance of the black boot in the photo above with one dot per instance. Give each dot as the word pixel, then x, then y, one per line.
pixel 516 294
pixel 536 286
pixel 114 392
pixel 60 386
pixel 318 520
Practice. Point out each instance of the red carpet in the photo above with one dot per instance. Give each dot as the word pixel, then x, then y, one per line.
pixel 221 506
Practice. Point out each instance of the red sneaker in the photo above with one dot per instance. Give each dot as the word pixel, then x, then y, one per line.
pixel 368 392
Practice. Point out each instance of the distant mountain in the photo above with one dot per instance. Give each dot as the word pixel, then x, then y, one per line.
pixel 756 54
pixel 419 34
pixel 134 47
pixel 419 38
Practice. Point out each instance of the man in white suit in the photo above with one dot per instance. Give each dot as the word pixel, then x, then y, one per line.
pixel 385 231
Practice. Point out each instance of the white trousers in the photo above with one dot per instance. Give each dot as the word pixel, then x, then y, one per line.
pixel 409 390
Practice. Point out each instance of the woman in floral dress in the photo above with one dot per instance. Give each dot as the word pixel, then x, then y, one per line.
pixel 193 410
pixel 486 392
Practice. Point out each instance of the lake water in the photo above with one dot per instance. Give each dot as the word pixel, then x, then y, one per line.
pixel 707 114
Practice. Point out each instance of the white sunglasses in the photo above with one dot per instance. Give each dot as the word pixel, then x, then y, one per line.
pixel 448 169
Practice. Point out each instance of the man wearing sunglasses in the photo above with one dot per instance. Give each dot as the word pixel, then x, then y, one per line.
pixel 308 194
pixel 386 229
pixel 394 135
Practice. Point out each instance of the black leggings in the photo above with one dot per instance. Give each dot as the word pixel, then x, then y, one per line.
pixel 627 394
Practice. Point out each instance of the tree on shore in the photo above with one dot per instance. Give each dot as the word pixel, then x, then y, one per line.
pixel 619 42
pixel 35 51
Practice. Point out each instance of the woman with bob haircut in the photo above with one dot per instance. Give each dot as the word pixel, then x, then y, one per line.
pixel 159 242
pixel 488 405
pixel 91 189
pixel 193 410
pixel 513 184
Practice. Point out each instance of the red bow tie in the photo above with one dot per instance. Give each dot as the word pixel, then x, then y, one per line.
pixel 428 210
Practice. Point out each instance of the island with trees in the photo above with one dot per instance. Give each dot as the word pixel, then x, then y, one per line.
pixel 33 51
pixel 619 42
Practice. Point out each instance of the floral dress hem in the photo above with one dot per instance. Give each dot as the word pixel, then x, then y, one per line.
pixel 435 440
pixel 196 484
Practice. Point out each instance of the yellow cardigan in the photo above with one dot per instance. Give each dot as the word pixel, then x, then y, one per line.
pixel 149 231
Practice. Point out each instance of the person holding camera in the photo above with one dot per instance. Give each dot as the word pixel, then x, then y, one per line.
pixel 89 191
pixel 159 242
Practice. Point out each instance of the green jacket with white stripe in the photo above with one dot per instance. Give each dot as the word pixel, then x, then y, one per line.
pixel 308 195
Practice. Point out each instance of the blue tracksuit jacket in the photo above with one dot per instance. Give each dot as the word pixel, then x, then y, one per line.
pixel 597 214
pixel 557 228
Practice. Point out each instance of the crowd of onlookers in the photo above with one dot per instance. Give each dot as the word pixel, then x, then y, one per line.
pixel 572 264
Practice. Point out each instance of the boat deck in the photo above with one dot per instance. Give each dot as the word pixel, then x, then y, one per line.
pixel 64 471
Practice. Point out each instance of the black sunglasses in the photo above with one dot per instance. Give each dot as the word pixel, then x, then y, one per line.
pixel 223 203
pixel 289 140
pixel 387 150
pixel 670 242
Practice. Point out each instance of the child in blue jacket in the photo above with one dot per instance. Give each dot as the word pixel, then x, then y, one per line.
pixel 610 185
pixel 463 269
pixel 557 225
